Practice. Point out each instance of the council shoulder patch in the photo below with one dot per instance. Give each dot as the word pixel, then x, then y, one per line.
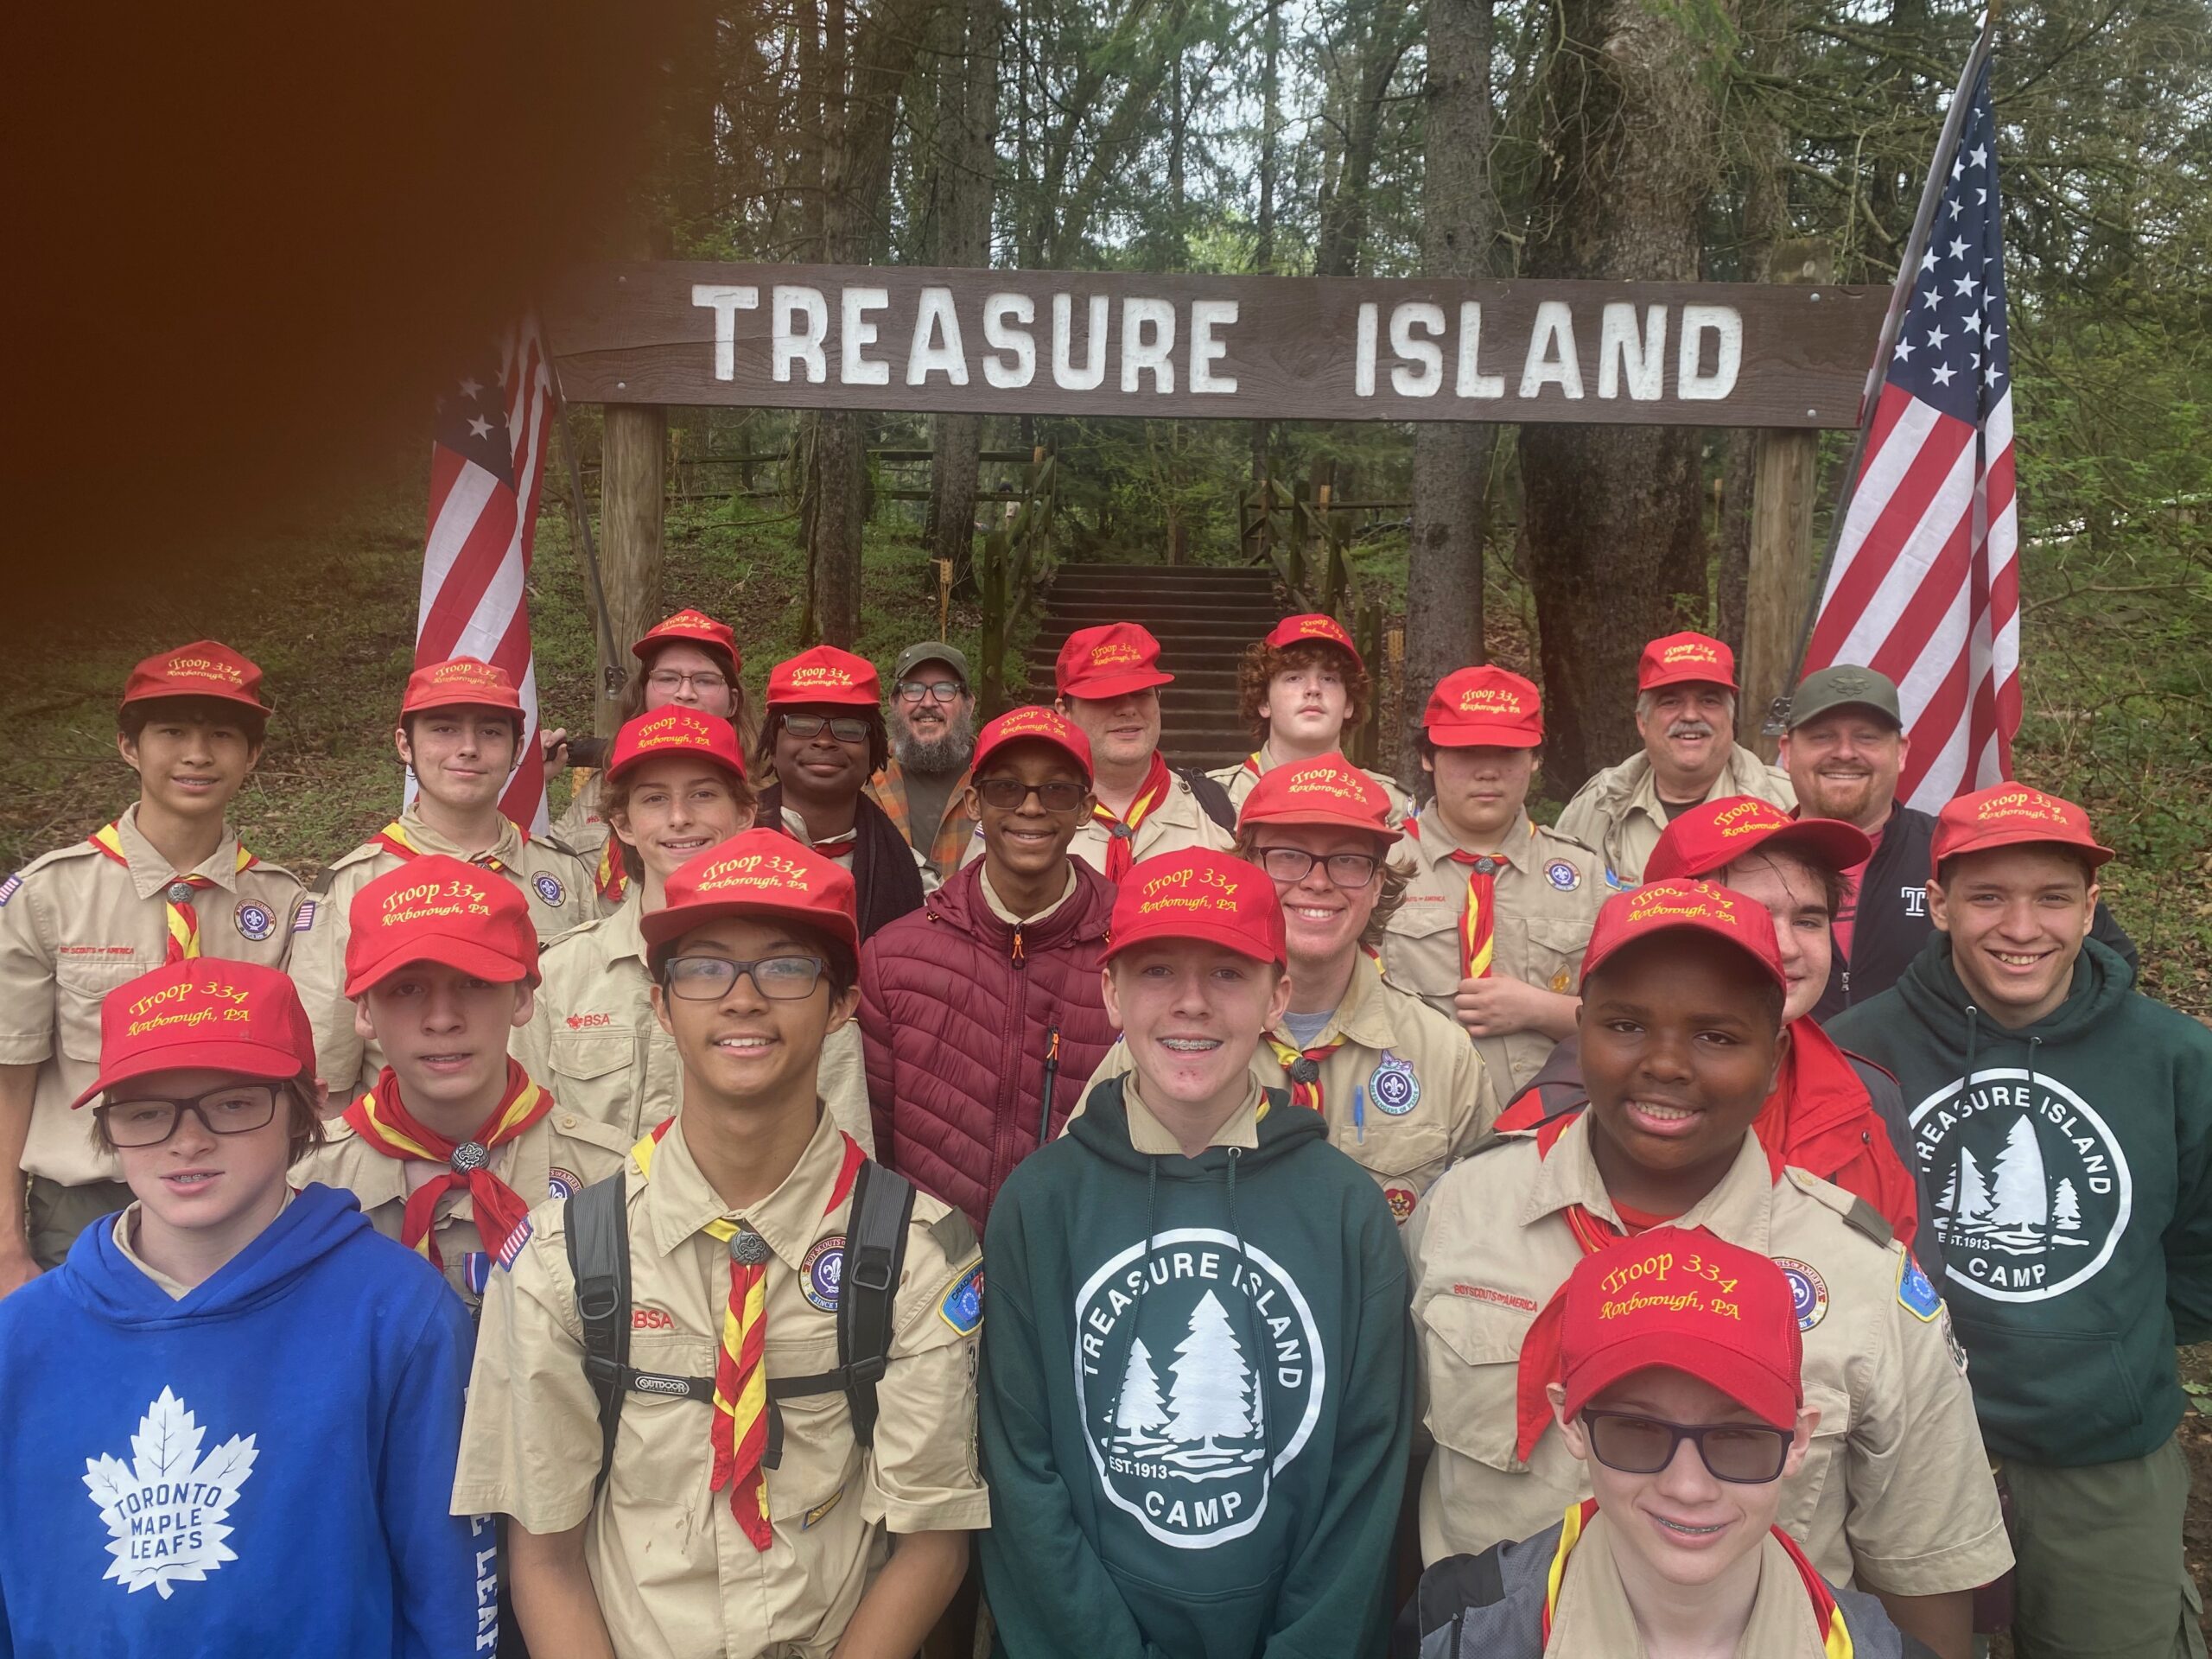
pixel 1915 1294
pixel 549 888
pixel 961 1306
pixel 1563 876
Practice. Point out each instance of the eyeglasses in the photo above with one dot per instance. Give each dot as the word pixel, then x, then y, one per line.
pixel 943 690
pixel 844 730
pixel 1748 1454
pixel 1007 794
pixel 1291 865
pixel 706 683
pixel 709 979
pixel 237 1108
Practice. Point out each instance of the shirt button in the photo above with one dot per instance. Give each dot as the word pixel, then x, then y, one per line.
pixel 568 1120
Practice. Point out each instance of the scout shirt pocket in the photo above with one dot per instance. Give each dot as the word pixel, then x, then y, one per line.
pixel 1555 953
pixel 1470 1359
pixel 662 1453
pixel 1825 1458
pixel 80 984
pixel 820 1458
pixel 593 1072
pixel 1421 947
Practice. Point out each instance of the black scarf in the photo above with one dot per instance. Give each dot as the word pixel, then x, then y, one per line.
pixel 888 881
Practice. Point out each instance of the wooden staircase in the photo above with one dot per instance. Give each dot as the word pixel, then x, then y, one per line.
pixel 1203 615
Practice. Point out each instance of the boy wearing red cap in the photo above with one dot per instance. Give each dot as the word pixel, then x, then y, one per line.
pixel 739 1515
pixel 1195 1400
pixel 1302 688
pixel 1404 1094
pixel 231 1372
pixel 1678 1386
pixel 167 881
pixel 1107 679
pixel 1683 1038
pixel 2064 1122
pixel 460 728
pixel 981 1013
pixel 1686 715
pixel 1496 908
pixel 457 1142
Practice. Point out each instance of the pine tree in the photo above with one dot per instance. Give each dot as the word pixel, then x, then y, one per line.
pixel 1142 1409
pixel 1974 1192
pixel 2018 1193
pixel 1210 1398
pixel 2066 1209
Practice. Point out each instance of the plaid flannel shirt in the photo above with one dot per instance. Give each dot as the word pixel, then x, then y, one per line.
pixel 887 789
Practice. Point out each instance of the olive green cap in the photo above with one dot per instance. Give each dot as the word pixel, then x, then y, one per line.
pixel 931 651
pixel 1845 686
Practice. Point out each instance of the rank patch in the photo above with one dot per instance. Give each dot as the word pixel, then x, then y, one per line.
pixel 1401 1200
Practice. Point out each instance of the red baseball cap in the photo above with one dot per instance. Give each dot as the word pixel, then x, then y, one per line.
pixel 205 668
pixel 1111 660
pixel 209 1012
pixel 1638 1305
pixel 674 730
pixel 1309 627
pixel 1484 707
pixel 1200 895
pixel 688 628
pixel 1329 791
pixel 1716 834
pixel 2009 814
pixel 825 674
pixel 754 873
pixel 463 682
pixel 1681 656
pixel 1679 906
pixel 439 909
pixel 1032 723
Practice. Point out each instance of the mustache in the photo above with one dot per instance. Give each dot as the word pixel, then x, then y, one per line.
pixel 1690 729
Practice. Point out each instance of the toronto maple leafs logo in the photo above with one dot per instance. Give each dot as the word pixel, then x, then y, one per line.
pixel 165 1510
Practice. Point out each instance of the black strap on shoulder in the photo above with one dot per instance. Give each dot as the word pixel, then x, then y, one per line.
pixel 597 1222
pixel 324 877
pixel 875 1251
pixel 1447 1593
pixel 1213 799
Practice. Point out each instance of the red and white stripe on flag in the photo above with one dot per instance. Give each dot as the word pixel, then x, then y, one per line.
pixel 1925 582
pixel 487 461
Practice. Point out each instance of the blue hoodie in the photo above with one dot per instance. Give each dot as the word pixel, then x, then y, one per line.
pixel 262 1467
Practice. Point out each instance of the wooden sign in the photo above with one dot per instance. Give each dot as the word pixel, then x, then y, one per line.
pixel 1098 343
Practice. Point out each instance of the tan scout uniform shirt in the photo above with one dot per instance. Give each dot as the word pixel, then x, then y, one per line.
pixel 1549 896
pixel 125 1232
pixel 1178 823
pixel 1619 812
pixel 1429 1097
pixel 1239 778
pixel 557 1156
pixel 594 1041
pixel 1594 1620
pixel 74 925
pixel 1896 1490
pixel 555 882
pixel 675 1576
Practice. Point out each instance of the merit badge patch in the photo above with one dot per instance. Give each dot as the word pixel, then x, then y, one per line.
pixel 2032 1188
pixel 168 1511
pixel 304 918
pixel 1809 1291
pixel 1915 1293
pixel 476 1270
pixel 1393 1088
pixel 821 1272
pixel 1401 1200
pixel 961 1305
pixel 7 888
pixel 562 1183
pixel 255 921
pixel 550 888
pixel 1563 876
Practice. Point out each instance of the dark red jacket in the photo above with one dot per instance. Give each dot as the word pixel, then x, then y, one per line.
pixel 959 1014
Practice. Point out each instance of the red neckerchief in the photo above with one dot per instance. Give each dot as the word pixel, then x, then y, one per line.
pixel 1120 848
pixel 387 1126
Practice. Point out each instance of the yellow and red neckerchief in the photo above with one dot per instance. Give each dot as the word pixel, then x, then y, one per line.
pixel 385 1125
pixel 183 914
pixel 393 839
pixel 1121 831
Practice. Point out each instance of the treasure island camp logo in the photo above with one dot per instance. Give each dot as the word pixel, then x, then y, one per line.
pixel 2033 1190
pixel 1199 1376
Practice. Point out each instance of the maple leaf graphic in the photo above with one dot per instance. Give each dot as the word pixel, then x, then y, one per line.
pixel 165 1511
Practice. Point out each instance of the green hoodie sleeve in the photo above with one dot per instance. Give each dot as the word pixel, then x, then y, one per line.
pixel 1335 1597
pixel 2189 1237
pixel 1048 1591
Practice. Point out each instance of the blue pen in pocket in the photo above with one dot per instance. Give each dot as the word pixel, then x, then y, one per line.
pixel 1359 1113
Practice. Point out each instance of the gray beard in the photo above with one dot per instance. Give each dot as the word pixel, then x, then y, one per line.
pixel 946 756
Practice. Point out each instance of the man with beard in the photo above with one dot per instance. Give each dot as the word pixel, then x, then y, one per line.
pixel 932 721
pixel 1686 715
pixel 1845 748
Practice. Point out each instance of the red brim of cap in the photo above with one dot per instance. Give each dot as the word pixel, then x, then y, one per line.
pixel 1229 938
pixel 1594 960
pixel 1702 675
pixel 851 698
pixel 1105 687
pixel 1828 842
pixel 170 692
pixel 1476 734
pixel 1768 1395
pixel 2022 836
pixel 463 955
pixel 983 755
pixel 631 763
pixel 664 927
pixel 461 700
pixel 238 1060
pixel 1318 818
pixel 643 649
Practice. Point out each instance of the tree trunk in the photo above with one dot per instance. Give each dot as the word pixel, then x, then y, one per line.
pixel 1613 513
pixel 1264 243
pixel 1341 232
pixel 1444 570
pixel 968 162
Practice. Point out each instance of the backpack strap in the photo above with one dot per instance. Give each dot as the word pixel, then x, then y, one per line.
pixel 597 1223
pixel 875 1252
pixel 1448 1593
pixel 1212 798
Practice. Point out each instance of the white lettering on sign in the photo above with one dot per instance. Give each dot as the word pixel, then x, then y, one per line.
pixel 1425 377
pixel 1470 382
pixel 1093 372
pixel 1206 315
pixel 787 345
pixel 1625 354
pixel 1147 342
pixel 1552 360
pixel 1362 364
pixel 1725 322
pixel 856 332
pixel 725 300
pixel 1013 361
pixel 937 342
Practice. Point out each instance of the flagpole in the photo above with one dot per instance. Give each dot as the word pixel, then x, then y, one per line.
pixel 1923 221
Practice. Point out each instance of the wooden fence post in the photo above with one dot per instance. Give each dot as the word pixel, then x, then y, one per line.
pixel 1785 467
pixel 630 517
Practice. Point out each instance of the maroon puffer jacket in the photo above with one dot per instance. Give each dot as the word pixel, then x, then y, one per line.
pixel 958 1014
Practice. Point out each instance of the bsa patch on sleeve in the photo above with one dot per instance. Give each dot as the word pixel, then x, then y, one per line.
pixel 960 1307
pixel 1915 1294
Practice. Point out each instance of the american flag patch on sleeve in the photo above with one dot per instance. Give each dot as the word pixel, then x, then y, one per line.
pixel 305 917
pixel 516 1240
pixel 7 888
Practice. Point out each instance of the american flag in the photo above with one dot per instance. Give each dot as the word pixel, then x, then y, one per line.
pixel 1924 585
pixel 485 460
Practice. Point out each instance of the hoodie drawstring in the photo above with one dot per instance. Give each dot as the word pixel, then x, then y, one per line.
pixel 1258 1354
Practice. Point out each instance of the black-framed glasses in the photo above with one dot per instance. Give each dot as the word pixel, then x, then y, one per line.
pixel 845 729
pixel 1291 865
pixel 1007 794
pixel 943 690
pixel 148 1120
pixel 708 979
pixel 1748 1454
pixel 707 683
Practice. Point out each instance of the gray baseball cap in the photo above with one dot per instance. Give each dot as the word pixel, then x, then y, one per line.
pixel 1845 686
pixel 931 651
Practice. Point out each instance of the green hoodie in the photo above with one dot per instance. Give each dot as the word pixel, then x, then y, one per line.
pixel 2071 1166
pixel 1196 1400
